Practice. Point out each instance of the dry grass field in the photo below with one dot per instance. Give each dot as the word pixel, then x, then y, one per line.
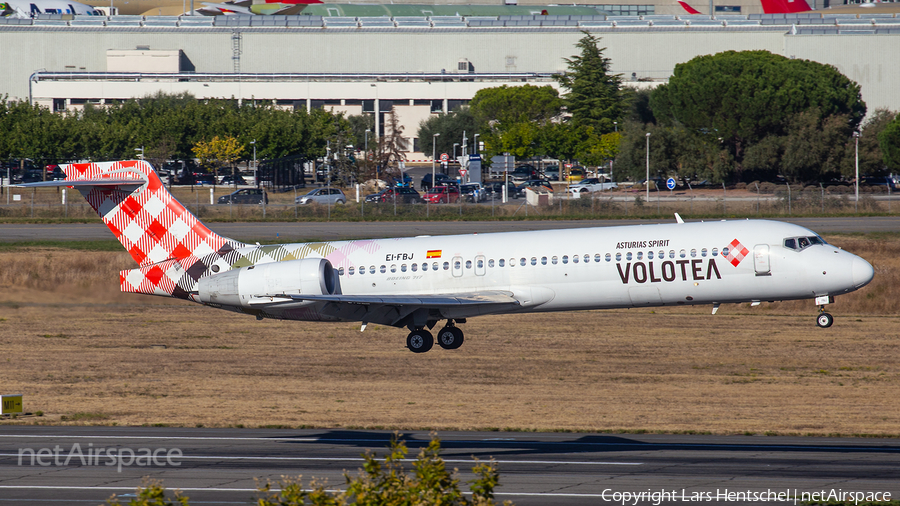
pixel 82 353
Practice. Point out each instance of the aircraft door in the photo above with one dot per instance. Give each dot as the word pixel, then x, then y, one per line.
pixel 457 268
pixel 761 260
pixel 479 265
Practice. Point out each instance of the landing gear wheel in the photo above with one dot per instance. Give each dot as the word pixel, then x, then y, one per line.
pixel 450 338
pixel 419 341
pixel 824 320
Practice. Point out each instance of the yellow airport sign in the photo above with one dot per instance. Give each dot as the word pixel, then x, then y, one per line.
pixel 11 404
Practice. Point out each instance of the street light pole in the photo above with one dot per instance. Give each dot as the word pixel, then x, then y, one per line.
pixel 433 152
pixel 475 140
pixel 454 149
pixel 255 175
pixel 648 167
pixel 367 149
pixel 856 141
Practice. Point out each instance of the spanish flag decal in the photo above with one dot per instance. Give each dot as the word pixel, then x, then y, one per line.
pixel 433 253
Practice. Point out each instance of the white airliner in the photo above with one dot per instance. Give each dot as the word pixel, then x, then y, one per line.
pixel 417 282
pixel 30 8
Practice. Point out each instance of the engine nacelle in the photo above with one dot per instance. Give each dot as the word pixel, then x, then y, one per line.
pixel 310 276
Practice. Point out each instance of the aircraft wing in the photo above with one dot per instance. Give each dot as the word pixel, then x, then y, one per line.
pixel 425 301
pixel 396 309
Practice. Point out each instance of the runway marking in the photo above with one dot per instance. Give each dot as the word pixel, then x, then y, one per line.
pixel 494 441
pixel 216 489
pixel 360 459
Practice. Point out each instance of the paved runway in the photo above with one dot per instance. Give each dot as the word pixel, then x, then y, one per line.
pixel 217 466
pixel 325 231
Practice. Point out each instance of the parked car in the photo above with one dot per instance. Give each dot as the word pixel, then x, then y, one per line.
pixel 403 194
pixel 231 180
pixel 591 184
pixel 551 172
pixel 322 196
pixel 495 190
pixel 440 178
pixel 523 172
pixel 575 174
pixel 245 196
pixel 442 195
pixel 472 192
pixel 534 184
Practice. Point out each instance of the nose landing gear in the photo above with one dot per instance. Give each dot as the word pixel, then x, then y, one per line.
pixel 824 319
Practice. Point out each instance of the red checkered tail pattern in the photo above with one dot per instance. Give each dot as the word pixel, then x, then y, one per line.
pixel 142 214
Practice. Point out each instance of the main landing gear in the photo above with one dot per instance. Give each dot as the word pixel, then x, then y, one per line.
pixel 449 338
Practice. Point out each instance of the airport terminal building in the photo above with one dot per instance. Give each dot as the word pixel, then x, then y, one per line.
pixel 414 66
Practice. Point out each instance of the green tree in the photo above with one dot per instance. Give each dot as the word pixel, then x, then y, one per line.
pixel 451 126
pixel 504 106
pixel 745 96
pixel 593 94
pixel 889 142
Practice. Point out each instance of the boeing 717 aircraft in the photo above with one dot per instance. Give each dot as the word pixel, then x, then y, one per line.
pixel 418 282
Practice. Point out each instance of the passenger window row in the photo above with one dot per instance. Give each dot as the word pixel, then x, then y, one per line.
pixel 512 262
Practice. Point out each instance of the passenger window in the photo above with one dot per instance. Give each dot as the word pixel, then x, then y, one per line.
pixel 434 266
pixel 424 266
pixel 649 255
pixel 501 262
pixel 715 252
pixel 640 255
pixel 682 253
pixel 383 269
pixel 662 254
pixel 608 257
pixel 393 267
pixel 350 271
pixel 468 264
pixel 628 256
pixel 671 253
pixel 456 264
pixel 512 262
pixel 565 259
pixel 554 260
pixel 446 266
pixel 574 259
pixel 703 252
pixel 597 257
pixel 414 267
pixel 587 259
pixel 522 261
pixel 725 252
pixel 533 261
pixel 618 257
pixel 480 264
pixel 491 263
pixel 693 253
pixel 341 271
pixel 543 260
pixel 403 268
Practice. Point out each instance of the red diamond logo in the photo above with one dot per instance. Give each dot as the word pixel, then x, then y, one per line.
pixel 736 252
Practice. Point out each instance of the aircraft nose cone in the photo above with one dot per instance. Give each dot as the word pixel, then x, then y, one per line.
pixel 862 272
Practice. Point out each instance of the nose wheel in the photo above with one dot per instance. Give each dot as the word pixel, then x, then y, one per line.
pixel 824 320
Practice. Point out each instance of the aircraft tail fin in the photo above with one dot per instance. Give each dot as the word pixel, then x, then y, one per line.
pixel 688 8
pixel 171 246
pixel 784 6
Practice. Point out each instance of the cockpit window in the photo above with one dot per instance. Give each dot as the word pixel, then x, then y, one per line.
pixel 801 243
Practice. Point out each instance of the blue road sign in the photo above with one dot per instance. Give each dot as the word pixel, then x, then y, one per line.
pixel 670 183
